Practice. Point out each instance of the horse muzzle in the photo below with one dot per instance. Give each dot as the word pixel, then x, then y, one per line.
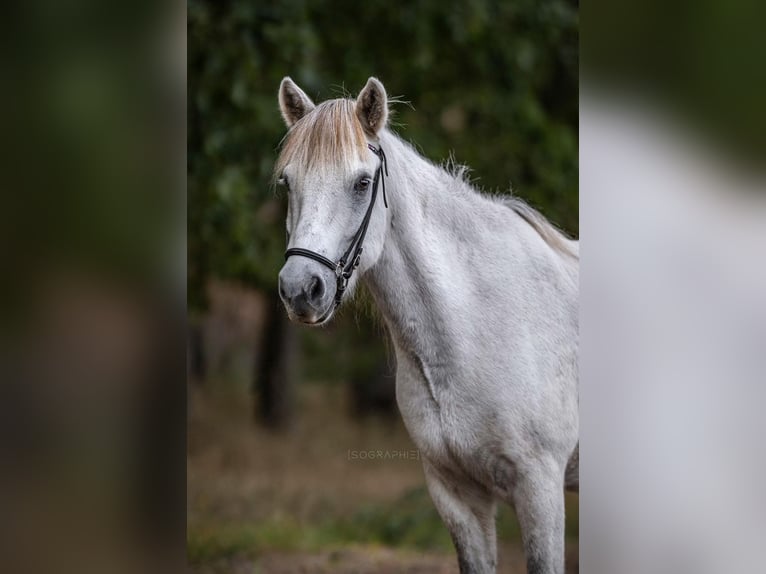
pixel 308 295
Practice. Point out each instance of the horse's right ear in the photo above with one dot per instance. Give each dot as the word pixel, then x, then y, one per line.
pixel 372 107
pixel 293 102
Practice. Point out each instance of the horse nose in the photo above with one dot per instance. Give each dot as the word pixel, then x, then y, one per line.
pixel 303 297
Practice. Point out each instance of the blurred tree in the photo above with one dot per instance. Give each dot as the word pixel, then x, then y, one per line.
pixel 275 367
pixel 494 83
pixel 196 352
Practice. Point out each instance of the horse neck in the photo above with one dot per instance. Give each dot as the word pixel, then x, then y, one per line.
pixel 409 280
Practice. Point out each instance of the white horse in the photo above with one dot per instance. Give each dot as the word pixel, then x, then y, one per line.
pixel 480 295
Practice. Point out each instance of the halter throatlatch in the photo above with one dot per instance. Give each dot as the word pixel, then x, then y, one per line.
pixel 349 261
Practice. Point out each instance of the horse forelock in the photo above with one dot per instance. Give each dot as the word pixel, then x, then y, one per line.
pixel 329 136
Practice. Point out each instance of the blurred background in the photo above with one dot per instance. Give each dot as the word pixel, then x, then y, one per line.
pixel 673 286
pixel 297 459
pixel 92 353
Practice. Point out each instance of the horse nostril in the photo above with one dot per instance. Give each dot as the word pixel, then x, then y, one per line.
pixel 316 288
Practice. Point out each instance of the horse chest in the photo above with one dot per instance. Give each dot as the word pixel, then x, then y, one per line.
pixel 427 408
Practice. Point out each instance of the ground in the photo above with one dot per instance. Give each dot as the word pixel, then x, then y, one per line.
pixel 330 494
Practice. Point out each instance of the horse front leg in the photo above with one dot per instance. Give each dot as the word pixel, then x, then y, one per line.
pixel 538 498
pixel 468 511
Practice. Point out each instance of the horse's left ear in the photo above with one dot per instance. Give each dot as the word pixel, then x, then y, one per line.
pixel 372 107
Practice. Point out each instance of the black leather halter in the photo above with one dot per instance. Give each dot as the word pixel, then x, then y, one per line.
pixel 349 261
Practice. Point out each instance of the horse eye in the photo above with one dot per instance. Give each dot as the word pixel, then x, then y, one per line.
pixel 283 182
pixel 362 184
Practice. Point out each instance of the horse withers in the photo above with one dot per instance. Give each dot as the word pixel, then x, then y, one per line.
pixel 480 295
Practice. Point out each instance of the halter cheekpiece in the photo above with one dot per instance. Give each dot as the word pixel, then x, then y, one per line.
pixel 349 261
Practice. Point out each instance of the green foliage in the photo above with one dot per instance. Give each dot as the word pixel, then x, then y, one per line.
pixel 495 83
pixel 412 522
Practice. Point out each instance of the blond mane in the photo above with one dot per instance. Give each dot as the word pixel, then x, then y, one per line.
pixel 550 234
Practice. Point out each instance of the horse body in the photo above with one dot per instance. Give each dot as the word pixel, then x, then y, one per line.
pixel 480 298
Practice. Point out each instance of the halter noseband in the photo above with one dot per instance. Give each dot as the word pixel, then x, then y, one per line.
pixel 349 261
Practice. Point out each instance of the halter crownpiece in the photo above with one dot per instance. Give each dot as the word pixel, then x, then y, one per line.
pixel 345 266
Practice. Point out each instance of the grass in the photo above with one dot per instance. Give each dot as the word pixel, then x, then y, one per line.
pixel 410 523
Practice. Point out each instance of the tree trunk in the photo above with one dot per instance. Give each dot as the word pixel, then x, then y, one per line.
pixel 197 360
pixel 275 367
pixel 374 391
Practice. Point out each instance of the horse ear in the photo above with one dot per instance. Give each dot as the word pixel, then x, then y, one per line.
pixel 372 107
pixel 293 102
